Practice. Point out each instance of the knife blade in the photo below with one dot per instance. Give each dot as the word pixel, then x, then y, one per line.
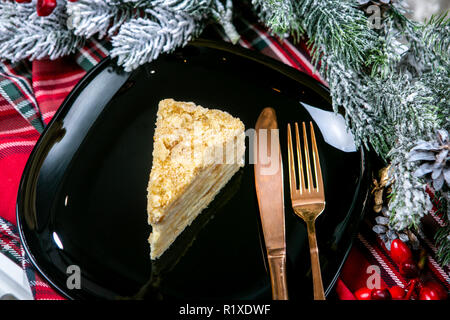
pixel 269 190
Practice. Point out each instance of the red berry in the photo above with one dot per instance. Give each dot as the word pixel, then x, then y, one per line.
pixel 45 7
pixel 23 1
pixel 409 269
pixel 397 293
pixel 432 291
pixel 380 294
pixel 400 252
pixel 428 294
pixel 363 294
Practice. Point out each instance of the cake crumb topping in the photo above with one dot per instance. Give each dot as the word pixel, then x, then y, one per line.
pixel 187 139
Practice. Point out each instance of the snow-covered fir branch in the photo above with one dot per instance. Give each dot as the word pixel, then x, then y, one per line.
pixel 142 40
pixel 105 17
pixel 436 35
pixel 141 30
pixel 25 35
pixel 391 82
pixel 280 15
pixel 97 17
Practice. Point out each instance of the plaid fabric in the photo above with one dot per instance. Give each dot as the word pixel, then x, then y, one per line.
pixel 30 94
pixel 369 250
pixel 10 241
pixel 16 89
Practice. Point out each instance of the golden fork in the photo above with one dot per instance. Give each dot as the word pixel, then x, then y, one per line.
pixel 308 201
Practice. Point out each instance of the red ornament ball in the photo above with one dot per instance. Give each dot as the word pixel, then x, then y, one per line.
pixel 380 294
pixel 400 252
pixel 432 291
pixel 45 7
pixel 397 293
pixel 363 294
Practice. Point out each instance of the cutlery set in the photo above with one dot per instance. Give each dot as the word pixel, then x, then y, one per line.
pixel 306 190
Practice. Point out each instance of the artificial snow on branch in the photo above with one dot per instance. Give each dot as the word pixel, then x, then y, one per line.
pixel 139 30
pixel 97 17
pixel 25 35
pixel 393 83
pixel 436 35
pixel 141 40
pixel 281 15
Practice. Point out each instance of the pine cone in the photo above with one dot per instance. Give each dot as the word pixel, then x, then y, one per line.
pixel 434 156
pixel 387 234
pixel 381 190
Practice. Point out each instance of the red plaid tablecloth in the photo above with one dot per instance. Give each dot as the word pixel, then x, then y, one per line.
pixel 30 94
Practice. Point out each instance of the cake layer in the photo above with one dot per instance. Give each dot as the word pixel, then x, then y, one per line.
pixel 186 139
pixel 196 152
pixel 190 204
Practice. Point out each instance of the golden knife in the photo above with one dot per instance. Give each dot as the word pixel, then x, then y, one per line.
pixel 269 189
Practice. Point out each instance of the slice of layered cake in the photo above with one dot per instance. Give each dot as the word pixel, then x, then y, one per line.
pixel 196 152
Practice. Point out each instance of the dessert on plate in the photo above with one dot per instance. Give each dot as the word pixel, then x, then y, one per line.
pixel 196 151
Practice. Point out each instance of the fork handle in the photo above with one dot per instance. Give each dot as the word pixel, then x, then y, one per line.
pixel 315 264
pixel 277 267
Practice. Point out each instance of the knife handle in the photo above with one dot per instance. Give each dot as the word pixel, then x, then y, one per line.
pixel 277 267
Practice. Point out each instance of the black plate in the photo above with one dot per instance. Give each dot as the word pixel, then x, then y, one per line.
pixel 82 198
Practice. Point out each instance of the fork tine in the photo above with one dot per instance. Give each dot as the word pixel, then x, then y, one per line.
pixel 301 179
pixel 292 177
pixel 318 171
pixel 307 161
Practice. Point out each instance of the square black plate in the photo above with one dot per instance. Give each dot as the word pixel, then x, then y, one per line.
pixel 82 198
